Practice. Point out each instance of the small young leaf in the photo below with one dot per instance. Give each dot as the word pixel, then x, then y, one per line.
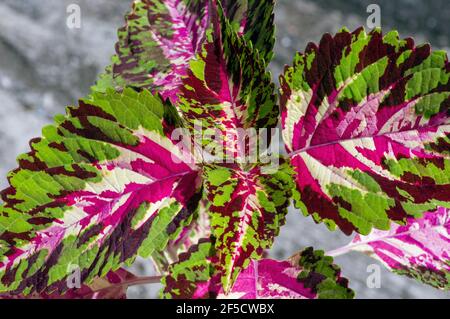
pixel 254 20
pixel 247 209
pixel 366 122
pixel 227 89
pixel 307 275
pixel 189 236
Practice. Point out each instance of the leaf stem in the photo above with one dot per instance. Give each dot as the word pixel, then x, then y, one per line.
pixel 132 282
pixel 144 280
pixel 339 251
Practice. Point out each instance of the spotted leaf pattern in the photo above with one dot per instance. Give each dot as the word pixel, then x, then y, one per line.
pixel 227 91
pixel 156 44
pixel 254 21
pixel 113 286
pixel 420 249
pixel 365 121
pixel 307 275
pixel 160 37
pixel 246 209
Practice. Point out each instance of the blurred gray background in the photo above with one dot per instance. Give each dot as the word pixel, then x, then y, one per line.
pixel 45 66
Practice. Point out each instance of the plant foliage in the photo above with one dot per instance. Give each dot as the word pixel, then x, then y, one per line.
pixel 365 122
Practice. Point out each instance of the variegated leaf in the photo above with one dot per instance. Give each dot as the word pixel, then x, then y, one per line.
pixel 254 20
pixel 160 37
pixel 420 249
pixel 156 44
pixel 189 236
pixel 247 209
pixel 103 184
pixel 307 275
pixel 227 88
pixel 366 123
pixel 193 276
pixel 113 286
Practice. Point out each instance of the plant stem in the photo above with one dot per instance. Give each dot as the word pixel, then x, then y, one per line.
pixel 339 251
pixel 144 281
pixel 132 282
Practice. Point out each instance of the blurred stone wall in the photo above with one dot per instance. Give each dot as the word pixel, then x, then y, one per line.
pixel 45 66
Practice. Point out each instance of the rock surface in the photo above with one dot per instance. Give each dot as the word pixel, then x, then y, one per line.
pixel 44 66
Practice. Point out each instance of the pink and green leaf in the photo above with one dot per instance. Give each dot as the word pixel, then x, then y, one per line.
pixel 227 87
pixel 105 183
pixel 160 37
pixel 247 209
pixel 307 275
pixel 113 286
pixel 420 249
pixel 156 44
pixel 189 236
pixel 366 123
pixel 254 20
pixel 193 276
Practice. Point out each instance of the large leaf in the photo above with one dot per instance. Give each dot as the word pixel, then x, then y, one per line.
pixel 366 123
pixel 420 249
pixel 160 37
pixel 113 286
pixel 193 276
pixel 307 275
pixel 103 184
pixel 247 209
